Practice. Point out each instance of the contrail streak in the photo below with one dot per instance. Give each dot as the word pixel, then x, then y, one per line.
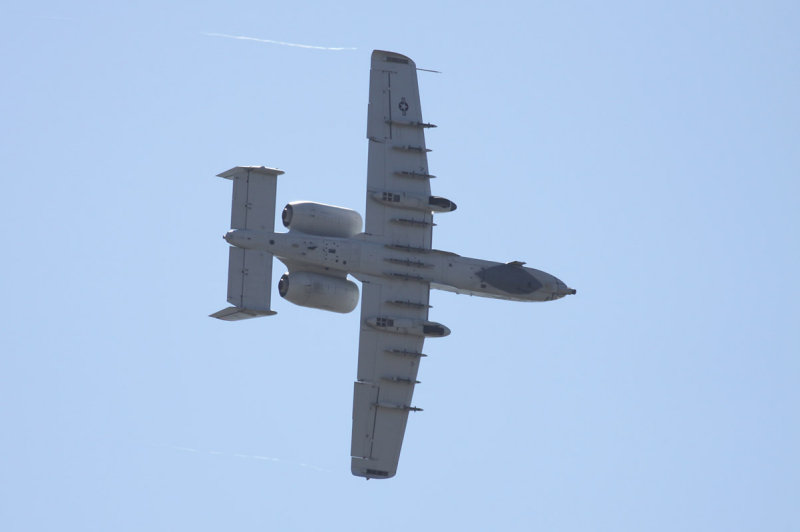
pixel 247 457
pixel 269 41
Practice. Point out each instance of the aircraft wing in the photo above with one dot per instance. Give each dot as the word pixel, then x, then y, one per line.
pixel 397 167
pixel 393 310
pixel 387 372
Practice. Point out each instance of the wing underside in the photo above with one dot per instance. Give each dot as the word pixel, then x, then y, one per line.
pixel 388 361
pixel 397 168
pixel 398 215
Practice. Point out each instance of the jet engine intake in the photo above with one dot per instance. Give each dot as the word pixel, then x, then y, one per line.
pixel 319 291
pixel 321 220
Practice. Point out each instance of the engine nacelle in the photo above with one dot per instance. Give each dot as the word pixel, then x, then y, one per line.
pixel 321 220
pixel 319 291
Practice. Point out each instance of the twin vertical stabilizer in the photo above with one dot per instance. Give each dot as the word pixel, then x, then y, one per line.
pixel 250 270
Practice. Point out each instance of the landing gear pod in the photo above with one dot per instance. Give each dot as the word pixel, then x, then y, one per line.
pixel 428 329
pixel 405 200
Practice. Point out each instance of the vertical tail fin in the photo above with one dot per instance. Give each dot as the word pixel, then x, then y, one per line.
pixel 250 270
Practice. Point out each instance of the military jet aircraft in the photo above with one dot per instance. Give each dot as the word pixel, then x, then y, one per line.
pixel 392 258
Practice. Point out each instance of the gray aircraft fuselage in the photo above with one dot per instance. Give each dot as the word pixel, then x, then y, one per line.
pixel 359 257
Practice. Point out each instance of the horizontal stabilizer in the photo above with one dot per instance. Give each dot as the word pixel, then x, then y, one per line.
pixel 250 270
pixel 253 205
pixel 249 279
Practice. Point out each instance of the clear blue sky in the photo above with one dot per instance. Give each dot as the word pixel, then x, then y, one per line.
pixel 644 152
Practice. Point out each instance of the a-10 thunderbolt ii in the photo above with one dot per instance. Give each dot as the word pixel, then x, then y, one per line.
pixel 392 258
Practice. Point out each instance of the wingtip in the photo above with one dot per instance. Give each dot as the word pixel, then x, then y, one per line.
pixel 392 57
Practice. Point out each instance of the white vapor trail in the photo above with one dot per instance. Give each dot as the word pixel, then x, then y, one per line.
pixel 269 41
pixel 248 457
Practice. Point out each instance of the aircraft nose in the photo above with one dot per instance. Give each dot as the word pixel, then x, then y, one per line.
pixel 565 290
pixel 562 289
